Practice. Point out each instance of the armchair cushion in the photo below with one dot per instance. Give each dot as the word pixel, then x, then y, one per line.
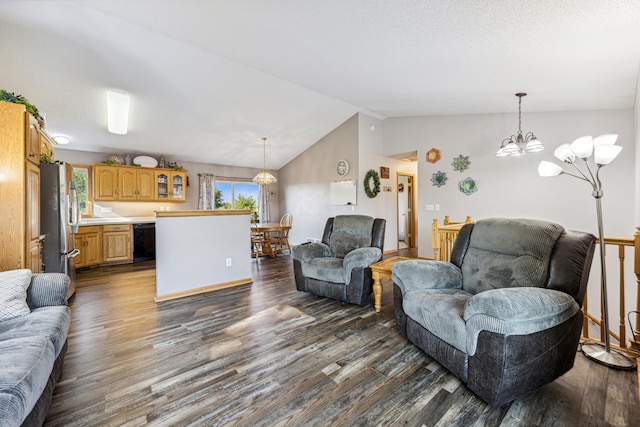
pixel 308 251
pixel 422 274
pixel 505 252
pixel 350 232
pixel 516 311
pixel 361 257
pixel 328 269
pixel 441 312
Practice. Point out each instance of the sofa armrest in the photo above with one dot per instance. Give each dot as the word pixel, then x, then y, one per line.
pixel 48 289
pixel 516 311
pixel 360 257
pixel 415 275
pixel 308 251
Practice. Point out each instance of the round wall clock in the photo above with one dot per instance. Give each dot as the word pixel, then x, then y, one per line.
pixel 342 167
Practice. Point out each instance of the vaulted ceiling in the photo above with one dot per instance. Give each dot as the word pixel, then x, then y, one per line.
pixel 209 78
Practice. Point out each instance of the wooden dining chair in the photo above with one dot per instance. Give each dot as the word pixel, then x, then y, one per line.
pixel 281 238
pixel 257 240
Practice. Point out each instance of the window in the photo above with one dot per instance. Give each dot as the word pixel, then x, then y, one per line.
pixel 236 194
pixel 82 176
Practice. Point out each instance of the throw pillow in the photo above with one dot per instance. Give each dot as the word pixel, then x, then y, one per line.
pixel 13 293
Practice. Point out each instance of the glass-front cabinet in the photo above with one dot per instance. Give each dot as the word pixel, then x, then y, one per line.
pixel 170 185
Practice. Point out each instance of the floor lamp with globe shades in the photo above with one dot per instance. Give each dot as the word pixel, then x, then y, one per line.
pixel 594 154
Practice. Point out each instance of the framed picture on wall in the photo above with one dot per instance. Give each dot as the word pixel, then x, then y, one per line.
pixel 384 172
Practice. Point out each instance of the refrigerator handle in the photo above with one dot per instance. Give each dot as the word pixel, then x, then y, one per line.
pixel 74 253
pixel 74 210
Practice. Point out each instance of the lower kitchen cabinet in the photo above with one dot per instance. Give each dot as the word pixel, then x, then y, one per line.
pixel 88 241
pixel 116 243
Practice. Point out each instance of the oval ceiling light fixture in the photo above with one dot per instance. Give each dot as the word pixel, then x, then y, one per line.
pixel 61 139
pixel 117 112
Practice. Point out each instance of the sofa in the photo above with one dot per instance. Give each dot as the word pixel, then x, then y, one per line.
pixel 34 323
pixel 504 314
pixel 338 267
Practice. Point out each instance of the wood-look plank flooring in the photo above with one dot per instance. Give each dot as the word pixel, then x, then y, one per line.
pixel 267 355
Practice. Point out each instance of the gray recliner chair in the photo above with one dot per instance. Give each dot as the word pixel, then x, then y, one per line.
pixel 504 314
pixel 338 267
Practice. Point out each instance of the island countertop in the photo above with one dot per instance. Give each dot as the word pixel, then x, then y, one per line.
pixel 218 212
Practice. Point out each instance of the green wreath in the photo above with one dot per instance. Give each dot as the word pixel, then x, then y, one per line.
pixel 372 174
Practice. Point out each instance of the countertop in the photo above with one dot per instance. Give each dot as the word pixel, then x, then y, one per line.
pixel 117 220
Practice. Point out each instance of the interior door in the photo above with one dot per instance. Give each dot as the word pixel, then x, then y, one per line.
pixel 406 213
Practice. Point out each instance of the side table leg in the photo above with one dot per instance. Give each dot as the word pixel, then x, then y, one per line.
pixel 377 292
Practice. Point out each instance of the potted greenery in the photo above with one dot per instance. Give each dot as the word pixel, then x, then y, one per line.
pixel 19 99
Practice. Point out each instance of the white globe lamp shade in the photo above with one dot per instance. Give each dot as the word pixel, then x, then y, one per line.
pixel 605 154
pixel 582 147
pixel 607 139
pixel 564 153
pixel 548 169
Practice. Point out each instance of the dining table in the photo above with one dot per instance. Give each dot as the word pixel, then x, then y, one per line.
pixel 267 229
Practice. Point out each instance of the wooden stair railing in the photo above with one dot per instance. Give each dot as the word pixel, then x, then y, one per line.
pixel 631 346
pixel 443 236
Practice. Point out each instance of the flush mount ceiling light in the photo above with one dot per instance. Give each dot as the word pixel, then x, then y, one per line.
pixel 517 144
pixel 117 112
pixel 61 139
pixel 264 177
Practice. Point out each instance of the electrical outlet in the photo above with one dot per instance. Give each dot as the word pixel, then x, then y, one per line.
pixel 162 208
pixel 168 208
pixel 106 210
pixel 429 207
pixel 437 207
pixel 228 262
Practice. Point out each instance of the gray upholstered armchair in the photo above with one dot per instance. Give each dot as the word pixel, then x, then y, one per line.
pixel 338 267
pixel 504 314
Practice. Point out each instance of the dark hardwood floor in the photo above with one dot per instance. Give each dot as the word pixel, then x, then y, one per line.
pixel 267 355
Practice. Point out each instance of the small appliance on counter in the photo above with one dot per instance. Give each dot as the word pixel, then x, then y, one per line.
pixel 59 218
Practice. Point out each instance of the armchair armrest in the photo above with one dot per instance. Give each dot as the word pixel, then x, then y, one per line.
pixel 360 257
pixel 47 289
pixel 423 274
pixel 308 251
pixel 516 311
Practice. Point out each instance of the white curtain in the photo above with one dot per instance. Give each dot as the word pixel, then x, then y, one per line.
pixel 263 204
pixel 207 191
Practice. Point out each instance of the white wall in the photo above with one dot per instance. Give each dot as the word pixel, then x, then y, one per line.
pixel 147 208
pixel 510 186
pixel 305 180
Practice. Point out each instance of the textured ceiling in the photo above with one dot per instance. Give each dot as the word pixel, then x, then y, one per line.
pixel 209 78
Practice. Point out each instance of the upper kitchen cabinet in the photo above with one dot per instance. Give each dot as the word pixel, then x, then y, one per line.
pixel 138 184
pixel 170 185
pixel 32 138
pixel 46 147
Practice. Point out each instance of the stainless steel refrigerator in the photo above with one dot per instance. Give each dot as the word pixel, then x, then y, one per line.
pixel 59 217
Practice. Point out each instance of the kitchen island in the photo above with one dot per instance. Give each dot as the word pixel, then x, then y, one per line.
pixel 201 251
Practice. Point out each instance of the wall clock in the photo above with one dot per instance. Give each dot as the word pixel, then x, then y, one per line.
pixel 342 167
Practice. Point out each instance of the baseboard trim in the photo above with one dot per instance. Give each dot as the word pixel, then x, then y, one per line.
pixel 202 290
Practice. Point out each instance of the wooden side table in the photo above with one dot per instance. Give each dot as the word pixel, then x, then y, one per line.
pixel 382 270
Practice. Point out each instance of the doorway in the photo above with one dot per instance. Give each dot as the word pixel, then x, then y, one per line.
pixel 406 213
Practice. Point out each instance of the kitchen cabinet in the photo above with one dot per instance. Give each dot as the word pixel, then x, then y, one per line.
pixel 19 189
pixel 32 137
pixel 105 182
pixel 47 147
pixel 116 243
pixel 88 241
pixel 170 185
pixel 136 184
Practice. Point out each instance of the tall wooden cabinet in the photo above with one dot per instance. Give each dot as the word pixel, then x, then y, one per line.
pixel 19 189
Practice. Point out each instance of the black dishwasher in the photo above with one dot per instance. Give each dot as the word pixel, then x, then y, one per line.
pixel 144 242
